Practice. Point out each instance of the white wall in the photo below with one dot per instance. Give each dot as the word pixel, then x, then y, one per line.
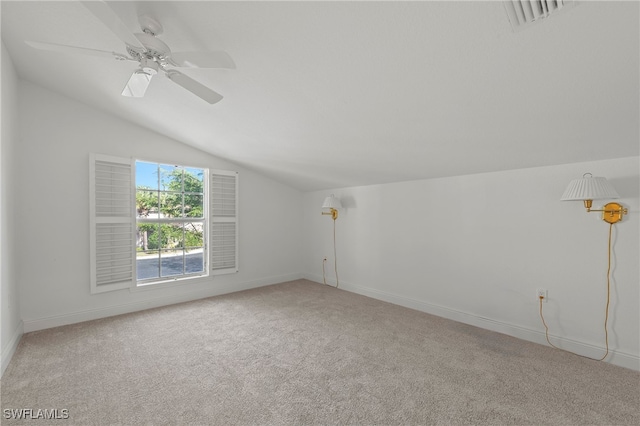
pixel 11 325
pixel 475 249
pixel 471 248
pixel 52 248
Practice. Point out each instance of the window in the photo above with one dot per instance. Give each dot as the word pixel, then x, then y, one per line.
pixel 154 222
pixel 170 221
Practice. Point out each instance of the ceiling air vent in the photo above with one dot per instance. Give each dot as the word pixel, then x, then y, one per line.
pixel 523 13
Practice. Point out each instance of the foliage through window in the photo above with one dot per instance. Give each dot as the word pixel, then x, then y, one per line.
pixel 170 221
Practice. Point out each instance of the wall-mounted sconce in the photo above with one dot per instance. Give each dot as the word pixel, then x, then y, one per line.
pixel 333 204
pixel 587 189
pixel 591 188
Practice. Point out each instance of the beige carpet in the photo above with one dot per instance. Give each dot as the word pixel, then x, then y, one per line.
pixel 302 353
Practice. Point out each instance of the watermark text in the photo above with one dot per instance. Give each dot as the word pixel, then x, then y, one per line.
pixel 35 413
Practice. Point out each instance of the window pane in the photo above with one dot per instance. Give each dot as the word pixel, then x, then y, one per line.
pixel 170 178
pixel 147 265
pixel 147 203
pixel 193 235
pixel 171 236
pixel 147 237
pixel 146 175
pixel 172 262
pixel 193 205
pixel 194 262
pixel 193 180
pixel 171 204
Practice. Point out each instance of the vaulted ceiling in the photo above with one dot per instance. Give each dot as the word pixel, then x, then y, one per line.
pixel 334 94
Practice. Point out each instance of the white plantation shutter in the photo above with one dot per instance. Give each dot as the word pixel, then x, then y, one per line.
pixel 112 222
pixel 223 238
pixel 524 12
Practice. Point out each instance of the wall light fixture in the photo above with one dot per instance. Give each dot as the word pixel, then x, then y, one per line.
pixel 590 188
pixel 587 189
pixel 333 204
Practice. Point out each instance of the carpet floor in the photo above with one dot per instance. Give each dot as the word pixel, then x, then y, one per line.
pixel 301 353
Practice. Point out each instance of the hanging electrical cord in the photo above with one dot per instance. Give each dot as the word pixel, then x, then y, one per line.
pixel 324 277
pixel 335 255
pixel 335 260
pixel 606 313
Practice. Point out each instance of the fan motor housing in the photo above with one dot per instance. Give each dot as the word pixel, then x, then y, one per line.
pixel 149 66
pixel 155 47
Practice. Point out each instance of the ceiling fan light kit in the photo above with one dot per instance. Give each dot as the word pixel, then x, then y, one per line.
pixel 152 54
pixel 140 79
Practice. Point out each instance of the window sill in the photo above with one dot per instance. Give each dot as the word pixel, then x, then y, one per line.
pixel 172 283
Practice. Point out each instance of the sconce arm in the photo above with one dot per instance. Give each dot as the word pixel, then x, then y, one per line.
pixel 333 213
pixel 611 213
pixel 624 211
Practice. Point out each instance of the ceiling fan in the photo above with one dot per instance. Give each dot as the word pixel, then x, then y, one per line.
pixel 152 54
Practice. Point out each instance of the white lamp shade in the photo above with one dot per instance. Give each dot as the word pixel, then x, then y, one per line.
pixel 589 188
pixel 331 202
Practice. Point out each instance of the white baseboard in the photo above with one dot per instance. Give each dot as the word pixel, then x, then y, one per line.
pixel 153 302
pixel 10 349
pixel 618 358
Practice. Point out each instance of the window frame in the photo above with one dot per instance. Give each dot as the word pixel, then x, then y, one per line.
pixel 205 220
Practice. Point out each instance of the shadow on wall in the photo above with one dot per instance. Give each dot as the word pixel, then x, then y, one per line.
pixel 348 202
pixel 627 187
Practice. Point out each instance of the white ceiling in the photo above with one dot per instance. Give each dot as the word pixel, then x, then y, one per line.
pixel 333 94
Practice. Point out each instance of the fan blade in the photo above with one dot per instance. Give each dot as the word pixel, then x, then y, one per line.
pixel 74 49
pixel 104 13
pixel 194 87
pixel 137 84
pixel 203 59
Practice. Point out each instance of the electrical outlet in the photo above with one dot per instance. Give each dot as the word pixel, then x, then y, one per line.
pixel 541 292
